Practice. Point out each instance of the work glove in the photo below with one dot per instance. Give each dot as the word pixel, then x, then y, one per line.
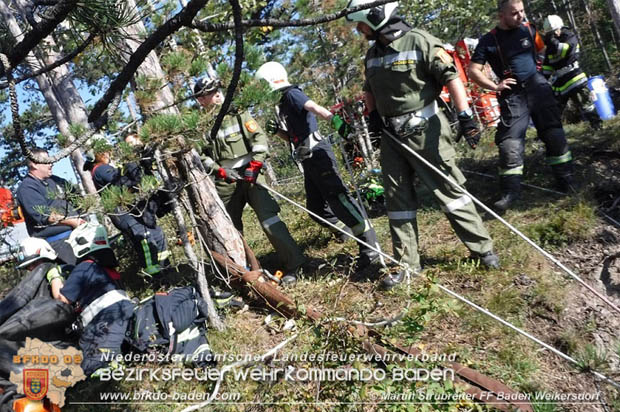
pixel 469 128
pixel 375 122
pixel 339 125
pixel 272 126
pixel 251 172
pixel 228 175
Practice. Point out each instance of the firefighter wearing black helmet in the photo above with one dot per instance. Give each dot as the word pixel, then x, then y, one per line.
pixel 236 157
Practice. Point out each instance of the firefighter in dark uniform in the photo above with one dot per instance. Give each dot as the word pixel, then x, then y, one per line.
pixel 561 66
pixel 326 194
pixel 140 223
pixel 94 289
pixel 405 71
pixel 47 212
pixel 236 158
pixel 511 49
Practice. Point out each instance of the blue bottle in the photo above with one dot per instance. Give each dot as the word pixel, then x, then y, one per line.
pixel 601 97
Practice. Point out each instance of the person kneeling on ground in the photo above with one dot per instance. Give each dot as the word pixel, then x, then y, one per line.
pixel 94 289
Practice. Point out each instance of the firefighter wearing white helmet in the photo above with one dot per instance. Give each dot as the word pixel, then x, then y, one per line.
pixel 274 74
pixel 561 67
pixel 552 23
pixel 94 287
pixel 405 70
pixel 374 17
pixel 326 194
pixel 38 258
pixel 33 249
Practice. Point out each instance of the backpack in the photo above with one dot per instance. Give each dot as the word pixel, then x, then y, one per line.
pixel 173 323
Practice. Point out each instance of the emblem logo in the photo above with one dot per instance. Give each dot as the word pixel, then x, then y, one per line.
pixel 525 43
pixel 36 383
pixel 251 125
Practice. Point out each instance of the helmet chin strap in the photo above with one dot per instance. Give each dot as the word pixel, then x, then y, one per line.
pixel 395 28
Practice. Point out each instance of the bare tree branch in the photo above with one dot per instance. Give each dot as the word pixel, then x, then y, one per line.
pixel 213 27
pixel 52 66
pixel 56 15
pixel 181 19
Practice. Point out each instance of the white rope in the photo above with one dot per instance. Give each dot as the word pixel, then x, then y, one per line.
pixel 231 366
pixel 448 291
pixel 357 193
pixel 605 215
pixel 352 236
pixel 527 335
pixel 498 217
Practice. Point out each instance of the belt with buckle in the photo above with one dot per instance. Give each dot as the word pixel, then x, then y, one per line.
pixel 413 122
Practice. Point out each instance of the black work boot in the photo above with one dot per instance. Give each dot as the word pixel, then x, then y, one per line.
pixel 489 260
pixel 511 191
pixel 366 259
pixel 564 181
pixel 395 279
pixel 566 184
pixel 367 266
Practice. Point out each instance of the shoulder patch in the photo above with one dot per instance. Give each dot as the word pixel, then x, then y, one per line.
pixel 251 126
pixel 444 56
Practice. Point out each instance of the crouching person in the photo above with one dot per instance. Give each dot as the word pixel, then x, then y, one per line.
pixel 94 289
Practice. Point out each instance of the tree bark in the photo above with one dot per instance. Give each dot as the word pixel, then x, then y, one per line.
pixel 614 10
pixel 213 220
pixel 597 35
pixel 61 95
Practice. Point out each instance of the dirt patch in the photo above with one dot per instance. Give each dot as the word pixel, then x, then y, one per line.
pixel 597 262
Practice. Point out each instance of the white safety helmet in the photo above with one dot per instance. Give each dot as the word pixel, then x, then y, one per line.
pixel 32 249
pixel 88 238
pixel 274 74
pixel 375 17
pixel 552 23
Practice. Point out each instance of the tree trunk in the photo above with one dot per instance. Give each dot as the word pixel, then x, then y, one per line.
pixel 213 220
pixel 597 35
pixel 614 10
pixel 206 203
pixel 61 95
pixel 203 284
